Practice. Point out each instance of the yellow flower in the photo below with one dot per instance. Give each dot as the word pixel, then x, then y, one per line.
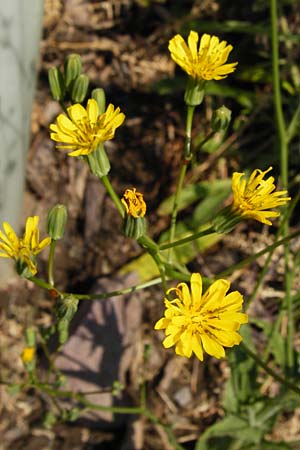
pixel 85 129
pixel 23 249
pixel 28 355
pixel 134 203
pixel 194 322
pixel 206 62
pixel 253 198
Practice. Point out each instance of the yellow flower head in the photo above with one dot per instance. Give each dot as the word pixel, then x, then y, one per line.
pixel 253 198
pixel 203 62
pixel 28 355
pixel 194 322
pixel 25 248
pixel 84 129
pixel 134 203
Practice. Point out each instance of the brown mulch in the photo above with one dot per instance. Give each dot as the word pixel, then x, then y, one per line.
pixel 123 48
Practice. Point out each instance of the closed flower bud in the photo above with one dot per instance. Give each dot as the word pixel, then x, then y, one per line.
pixel 30 337
pixel 80 88
pixel 56 222
pixel 99 95
pixel 221 119
pixel 57 85
pixel 73 66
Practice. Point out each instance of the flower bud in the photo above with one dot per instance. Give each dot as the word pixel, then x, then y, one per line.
pixel 80 88
pixel 98 162
pixel 57 85
pixel 65 310
pixel 56 222
pixel 30 337
pixel 194 92
pixel 135 207
pixel 221 119
pixel 99 95
pixel 73 66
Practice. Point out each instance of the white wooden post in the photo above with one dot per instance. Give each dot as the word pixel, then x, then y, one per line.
pixel 20 29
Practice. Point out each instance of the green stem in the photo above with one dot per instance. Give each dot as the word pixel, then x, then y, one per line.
pixel 186 161
pixel 190 238
pixel 206 139
pixel 117 292
pixel 252 258
pixel 281 128
pixel 43 284
pixel 51 261
pixel 113 195
pixel 293 387
pixel 167 428
pixel 283 141
pixel 62 105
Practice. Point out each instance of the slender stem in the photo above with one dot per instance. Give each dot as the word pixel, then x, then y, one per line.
pixel 51 261
pixel 80 398
pixel 117 292
pixel 281 128
pixel 190 238
pixel 188 132
pixel 283 141
pixel 43 284
pixel 252 258
pixel 155 420
pixel 113 195
pixel 279 378
pixel 186 161
pixel 175 205
pixel 63 107
pixel 206 139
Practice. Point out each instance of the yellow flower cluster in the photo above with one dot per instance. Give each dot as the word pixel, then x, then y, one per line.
pixel 194 323
pixel 253 198
pixel 84 129
pixel 203 61
pixel 23 249
pixel 134 203
pixel 28 355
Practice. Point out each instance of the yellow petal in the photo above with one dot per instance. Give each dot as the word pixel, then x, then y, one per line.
pixel 196 289
pixel 92 110
pixel 77 114
pixel 212 347
pixel 197 347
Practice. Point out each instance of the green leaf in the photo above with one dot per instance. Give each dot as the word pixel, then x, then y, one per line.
pixel 144 266
pixel 216 193
pixel 233 426
pixel 212 193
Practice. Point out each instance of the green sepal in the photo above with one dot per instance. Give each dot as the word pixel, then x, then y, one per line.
pixel 56 221
pixel 194 92
pixel 226 220
pixel 65 310
pixel 99 95
pixel 73 67
pixel 57 84
pixel 134 227
pixel 80 88
pixel 23 269
pixel 221 119
pixel 98 162
pixel 30 337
